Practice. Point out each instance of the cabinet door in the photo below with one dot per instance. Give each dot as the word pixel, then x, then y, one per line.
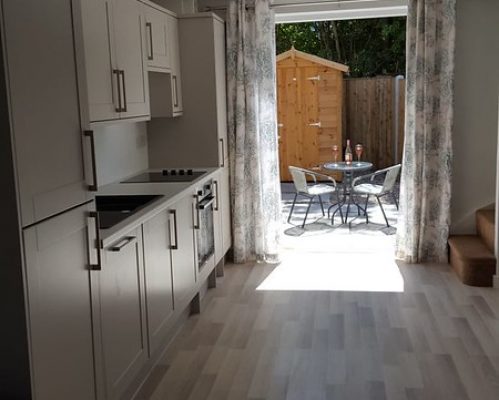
pixel 221 92
pixel 183 251
pixel 131 60
pixel 157 50
pixel 100 60
pixel 218 217
pixel 158 274
pixel 60 318
pixel 44 107
pixel 120 285
pixel 175 65
pixel 226 210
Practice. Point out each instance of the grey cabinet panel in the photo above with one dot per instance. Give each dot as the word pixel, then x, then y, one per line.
pixel 58 287
pixel 217 217
pixel 183 251
pixel 44 106
pixel 226 210
pixel 158 277
pixel 123 337
pixel 129 35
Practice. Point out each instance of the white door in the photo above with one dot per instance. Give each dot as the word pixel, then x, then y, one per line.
pixel 101 70
pixel 120 286
pixel 156 34
pixel 158 277
pixel 129 30
pixel 44 107
pixel 183 251
pixel 59 299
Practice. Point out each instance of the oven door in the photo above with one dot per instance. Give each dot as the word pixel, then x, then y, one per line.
pixel 205 237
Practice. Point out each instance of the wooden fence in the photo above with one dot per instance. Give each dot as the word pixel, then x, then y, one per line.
pixel 374 115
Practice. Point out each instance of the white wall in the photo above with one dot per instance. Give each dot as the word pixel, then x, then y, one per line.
pixel 121 151
pixel 476 111
pixel 179 6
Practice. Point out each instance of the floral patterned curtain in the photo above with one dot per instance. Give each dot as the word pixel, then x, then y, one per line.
pixel 253 131
pixel 424 220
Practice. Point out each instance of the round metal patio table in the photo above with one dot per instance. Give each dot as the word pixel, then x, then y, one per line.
pixel 348 171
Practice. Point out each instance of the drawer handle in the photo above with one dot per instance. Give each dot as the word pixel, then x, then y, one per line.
pixel 223 152
pixel 124 108
pixel 117 72
pixel 123 243
pixel 215 183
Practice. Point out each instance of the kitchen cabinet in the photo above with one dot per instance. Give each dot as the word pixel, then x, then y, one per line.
pixel 226 207
pixel 204 109
pixel 222 217
pixel 115 63
pixel 120 317
pixel 44 106
pixel 183 250
pixel 59 299
pixel 158 277
pixel 163 54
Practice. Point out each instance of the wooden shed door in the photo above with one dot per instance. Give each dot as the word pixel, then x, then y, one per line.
pixel 309 116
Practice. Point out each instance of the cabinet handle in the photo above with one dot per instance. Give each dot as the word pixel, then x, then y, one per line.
pixel 223 152
pixel 93 186
pixel 117 73
pixel 124 108
pixel 150 56
pixel 215 183
pixel 123 243
pixel 175 94
pixel 97 243
pixel 175 233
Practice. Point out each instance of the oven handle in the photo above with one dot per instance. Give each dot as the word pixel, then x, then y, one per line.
pixel 206 202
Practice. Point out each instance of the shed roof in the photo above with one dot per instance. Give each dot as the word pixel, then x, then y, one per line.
pixel 293 53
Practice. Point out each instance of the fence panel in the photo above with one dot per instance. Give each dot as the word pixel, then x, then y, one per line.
pixel 374 116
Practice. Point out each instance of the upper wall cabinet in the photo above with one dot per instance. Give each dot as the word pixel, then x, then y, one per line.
pixel 163 61
pixel 115 64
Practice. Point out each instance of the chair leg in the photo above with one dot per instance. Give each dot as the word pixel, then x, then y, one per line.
pixel 367 215
pixel 340 204
pixel 292 208
pixel 383 211
pixel 308 209
pixel 395 200
pixel 322 206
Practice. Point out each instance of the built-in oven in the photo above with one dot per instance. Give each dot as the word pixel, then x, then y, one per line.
pixel 205 237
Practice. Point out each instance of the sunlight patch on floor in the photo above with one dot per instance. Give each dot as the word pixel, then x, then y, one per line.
pixel 361 272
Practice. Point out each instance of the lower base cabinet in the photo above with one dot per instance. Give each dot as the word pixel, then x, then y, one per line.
pixel 183 251
pixel 59 299
pixel 158 277
pixel 120 321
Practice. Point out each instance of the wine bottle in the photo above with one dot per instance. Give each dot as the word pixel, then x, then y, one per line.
pixel 348 153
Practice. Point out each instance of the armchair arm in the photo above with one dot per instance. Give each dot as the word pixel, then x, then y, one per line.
pixel 314 175
pixel 370 176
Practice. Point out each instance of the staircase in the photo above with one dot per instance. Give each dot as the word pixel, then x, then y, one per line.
pixel 472 256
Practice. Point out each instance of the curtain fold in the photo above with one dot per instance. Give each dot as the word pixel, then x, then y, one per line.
pixel 252 132
pixel 424 218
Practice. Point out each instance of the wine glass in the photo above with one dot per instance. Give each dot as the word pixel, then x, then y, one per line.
pixel 335 152
pixel 358 150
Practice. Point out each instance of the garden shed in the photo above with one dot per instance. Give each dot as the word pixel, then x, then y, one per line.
pixel 309 107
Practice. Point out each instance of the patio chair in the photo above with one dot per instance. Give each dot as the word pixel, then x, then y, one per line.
pixel 371 189
pixel 310 191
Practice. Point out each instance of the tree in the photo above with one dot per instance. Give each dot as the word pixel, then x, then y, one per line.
pixel 368 46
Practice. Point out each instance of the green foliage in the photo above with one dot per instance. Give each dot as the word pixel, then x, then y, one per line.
pixel 369 47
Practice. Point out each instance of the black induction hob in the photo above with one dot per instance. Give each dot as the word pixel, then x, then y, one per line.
pixel 167 175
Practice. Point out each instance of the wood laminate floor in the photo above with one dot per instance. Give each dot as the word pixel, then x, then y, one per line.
pixel 435 339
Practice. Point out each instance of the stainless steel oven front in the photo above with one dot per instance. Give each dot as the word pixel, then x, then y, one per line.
pixel 205 237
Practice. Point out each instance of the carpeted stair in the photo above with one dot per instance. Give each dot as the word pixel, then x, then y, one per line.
pixel 472 256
